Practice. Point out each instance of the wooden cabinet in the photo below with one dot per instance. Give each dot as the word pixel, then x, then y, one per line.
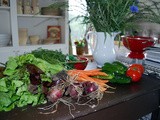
pixel 36 25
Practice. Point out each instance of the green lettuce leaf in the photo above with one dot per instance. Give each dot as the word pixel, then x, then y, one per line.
pixel 5 100
pixel 3 86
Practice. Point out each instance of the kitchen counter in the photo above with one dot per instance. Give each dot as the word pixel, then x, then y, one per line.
pixel 128 102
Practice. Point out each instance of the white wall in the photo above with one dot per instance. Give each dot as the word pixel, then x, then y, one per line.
pixel 5 22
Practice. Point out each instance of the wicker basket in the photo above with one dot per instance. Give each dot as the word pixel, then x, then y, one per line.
pixel 50 11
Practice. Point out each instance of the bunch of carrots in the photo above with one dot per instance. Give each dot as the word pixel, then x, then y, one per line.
pixel 87 75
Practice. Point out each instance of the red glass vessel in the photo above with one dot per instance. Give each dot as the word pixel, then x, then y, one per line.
pixel 137 45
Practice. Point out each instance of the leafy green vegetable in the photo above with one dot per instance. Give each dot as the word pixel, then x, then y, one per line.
pixel 51 56
pixel 11 66
pixel 3 86
pixel 5 99
pixel 14 90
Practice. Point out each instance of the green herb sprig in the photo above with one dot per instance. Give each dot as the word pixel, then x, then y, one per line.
pixel 117 16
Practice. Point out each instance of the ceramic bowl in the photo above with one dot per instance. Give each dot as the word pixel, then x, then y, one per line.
pixel 80 64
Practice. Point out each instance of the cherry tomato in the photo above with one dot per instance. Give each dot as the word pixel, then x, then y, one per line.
pixel 138 67
pixel 134 74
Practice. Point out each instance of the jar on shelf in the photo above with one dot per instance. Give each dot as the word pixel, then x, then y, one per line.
pixel 19 7
pixel 35 7
pixel 35 10
pixel 35 3
pixel 34 39
pixel 27 7
pixel 26 3
pixel 23 36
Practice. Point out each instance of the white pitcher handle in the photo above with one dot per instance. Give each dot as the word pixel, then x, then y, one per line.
pixel 88 39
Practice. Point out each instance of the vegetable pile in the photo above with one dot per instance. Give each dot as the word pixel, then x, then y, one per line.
pixel 37 78
pixel 30 80
pixel 57 57
pixel 116 72
pixel 88 75
pixel 121 74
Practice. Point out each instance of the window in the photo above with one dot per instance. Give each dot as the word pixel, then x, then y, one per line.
pixel 78 29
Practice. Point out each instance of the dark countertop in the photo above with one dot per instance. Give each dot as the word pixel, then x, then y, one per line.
pixel 125 95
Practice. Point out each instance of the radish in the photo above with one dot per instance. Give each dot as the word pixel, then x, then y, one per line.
pixel 89 87
pixel 54 94
pixel 72 90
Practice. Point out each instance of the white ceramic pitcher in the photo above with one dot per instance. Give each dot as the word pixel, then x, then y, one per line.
pixel 103 51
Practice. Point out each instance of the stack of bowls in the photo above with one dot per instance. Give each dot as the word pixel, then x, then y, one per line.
pixel 4 40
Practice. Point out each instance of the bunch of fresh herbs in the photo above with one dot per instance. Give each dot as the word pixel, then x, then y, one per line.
pixel 118 15
pixel 146 11
pixel 51 56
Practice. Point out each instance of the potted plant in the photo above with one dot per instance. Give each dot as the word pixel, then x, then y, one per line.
pixel 80 44
pixel 111 17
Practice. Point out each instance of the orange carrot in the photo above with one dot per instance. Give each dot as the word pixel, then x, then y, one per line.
pixel 99 80
pixel 85 75
pixel 93 72
pixel 96 73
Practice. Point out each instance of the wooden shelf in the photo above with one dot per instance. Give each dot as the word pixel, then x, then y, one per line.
pixel 6 47
pixel 35 25
pixel 4 8
pixel 39 16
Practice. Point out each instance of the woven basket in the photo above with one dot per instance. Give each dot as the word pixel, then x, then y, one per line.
pixel 50 11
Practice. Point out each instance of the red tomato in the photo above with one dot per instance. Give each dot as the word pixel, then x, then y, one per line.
pixel 138 67
pixel 134 74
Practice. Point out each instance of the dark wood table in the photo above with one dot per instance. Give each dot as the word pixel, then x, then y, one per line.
pixel 129 102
